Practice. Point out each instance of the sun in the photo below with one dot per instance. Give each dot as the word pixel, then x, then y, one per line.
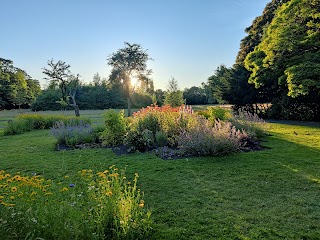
pixel 134 81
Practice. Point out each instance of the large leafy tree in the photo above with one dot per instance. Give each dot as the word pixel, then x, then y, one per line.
pixel 289 52
pixel 59 74
pixel 17 88
pixel 256 31
pixel 127 63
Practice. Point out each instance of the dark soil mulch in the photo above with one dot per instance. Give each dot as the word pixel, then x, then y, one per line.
pixel 171 153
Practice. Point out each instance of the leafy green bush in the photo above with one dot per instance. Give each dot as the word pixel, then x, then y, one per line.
pixel 102 205
pixel 140 140
pixel 72 133
pixel 17 126
pixel 204 113
pixel 141 134
pixel 218 113
pixel 115 130
pixel 27 122
pixel 149 121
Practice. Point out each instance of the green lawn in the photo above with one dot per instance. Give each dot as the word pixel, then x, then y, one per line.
pixel 269 194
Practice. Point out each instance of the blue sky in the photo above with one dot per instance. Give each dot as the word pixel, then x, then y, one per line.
pixel 188 39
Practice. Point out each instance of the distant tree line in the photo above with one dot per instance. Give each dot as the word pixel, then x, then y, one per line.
pixel 66 91
pixel 101 94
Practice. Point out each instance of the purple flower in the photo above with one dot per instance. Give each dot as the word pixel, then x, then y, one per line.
pixel 71 185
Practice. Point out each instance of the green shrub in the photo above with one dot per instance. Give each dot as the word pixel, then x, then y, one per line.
pixel 142 131
pixel 140 140
pixel 218 113
pixel 204 113
pixel 17 126
pixel 115 130
pixel 102 205
pixel 27 122
pixel 150 121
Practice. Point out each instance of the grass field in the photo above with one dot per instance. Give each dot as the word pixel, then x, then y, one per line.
pixel 269 194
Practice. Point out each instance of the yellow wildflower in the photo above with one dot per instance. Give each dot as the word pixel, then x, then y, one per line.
pixel 66 176
pixel 141 204
pixel 17 178
pixel 109 193
pixel 14 189
pixel 114 175
pixel 64 189
pixel 12 197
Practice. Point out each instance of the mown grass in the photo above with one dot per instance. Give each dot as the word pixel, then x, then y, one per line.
pixel 269 194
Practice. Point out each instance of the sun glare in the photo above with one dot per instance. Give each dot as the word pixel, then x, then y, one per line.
pixel 134 81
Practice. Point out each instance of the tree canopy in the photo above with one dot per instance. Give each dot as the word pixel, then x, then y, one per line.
pixel 59 74
pixel 128 62
pixel 257 29
pixel 289 52
pixel 173 96
pixel 17 88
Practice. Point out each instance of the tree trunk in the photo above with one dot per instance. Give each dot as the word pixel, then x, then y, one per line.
pixel 76 110
pixel 129 106
pixel 74 104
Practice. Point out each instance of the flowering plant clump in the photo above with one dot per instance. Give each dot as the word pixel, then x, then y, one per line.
pixel 102 205
pixel 155 126
pixel 205 139
pixel 178 132
pixel 155 108
pixel 251 123
pixel 72 133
